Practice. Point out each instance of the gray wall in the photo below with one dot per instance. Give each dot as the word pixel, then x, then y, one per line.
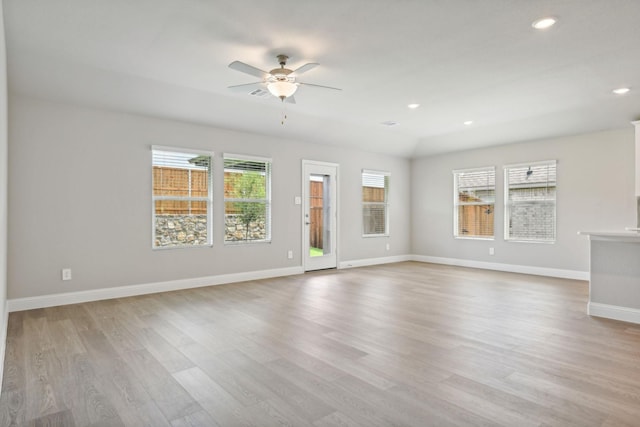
pixel 3 191
pixel 595 191
pixel 79 197
pixel 3 172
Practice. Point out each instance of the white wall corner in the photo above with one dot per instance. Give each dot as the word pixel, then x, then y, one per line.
pixel 614 312
pixel 511 268
pixel 29 303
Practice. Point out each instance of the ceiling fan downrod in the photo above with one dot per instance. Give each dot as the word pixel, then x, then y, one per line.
pixel 282 60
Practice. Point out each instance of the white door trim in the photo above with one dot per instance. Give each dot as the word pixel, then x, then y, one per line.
pixel 305 190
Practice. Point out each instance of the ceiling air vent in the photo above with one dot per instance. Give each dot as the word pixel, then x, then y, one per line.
pixel 259 93
pixel 390 123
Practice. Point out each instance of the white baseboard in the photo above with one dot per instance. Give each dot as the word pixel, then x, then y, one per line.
pixel 28 303
pixel 512 268
pixel 374 261
pixel 19 304
pixel 615 312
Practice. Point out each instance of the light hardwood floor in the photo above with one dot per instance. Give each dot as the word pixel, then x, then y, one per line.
pixel 406 344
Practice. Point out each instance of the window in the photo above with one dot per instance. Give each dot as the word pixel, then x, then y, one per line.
pixel 182 197
pixel 375 204
pixel 474 200
pixel 530 202
pixel 247 199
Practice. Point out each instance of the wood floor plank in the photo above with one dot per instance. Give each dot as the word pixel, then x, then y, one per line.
pixel 40 384
pixel 238 383
pixel 166 330
pixel 114 388
pixel 196 419
pixel 564 411
pixel 439 411
pixel 90 405
pixel 611 421
pixel 80 318
pixel 356 406
pixel 118 334
pixel 129 397
pixel 601 403
pixel 167 355
pixel 274 412
pixel 214 399
pixel 58 419
pixel 306 405
pixel 66 340
pixel 496 411
pixel 12 399
pixel 514 403
pixel 288 351
pixel 336 419
pixel 171 398
pixel 406 344
pixel 393 409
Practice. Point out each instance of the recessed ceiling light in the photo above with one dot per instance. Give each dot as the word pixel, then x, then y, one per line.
pixel 544 23
pixel 621 90
pixel 468 122
pixel 413 106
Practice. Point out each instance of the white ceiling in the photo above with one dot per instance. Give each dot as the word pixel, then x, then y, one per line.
pixel 460 59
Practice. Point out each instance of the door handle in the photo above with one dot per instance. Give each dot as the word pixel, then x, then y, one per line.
pixel 307 223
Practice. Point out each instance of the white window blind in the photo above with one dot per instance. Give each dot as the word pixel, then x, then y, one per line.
pixel 182 198
pixel 473 202
pixel 530 202
pixel 247 199
pixel 375 205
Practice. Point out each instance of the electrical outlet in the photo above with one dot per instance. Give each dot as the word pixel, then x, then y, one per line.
pixel 66 274
pixel 492 251
pixel 290 254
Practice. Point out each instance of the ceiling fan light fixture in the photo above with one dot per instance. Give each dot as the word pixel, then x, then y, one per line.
pixel 282 88
pixel 621 90
pixel 544 23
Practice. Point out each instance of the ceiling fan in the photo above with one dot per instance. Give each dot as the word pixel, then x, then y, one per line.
pixel 281 82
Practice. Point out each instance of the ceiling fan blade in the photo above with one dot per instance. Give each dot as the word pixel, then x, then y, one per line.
pixel 290 99
pixel 244 87
pixel 320 86
pixel 248 69
pixel 304 68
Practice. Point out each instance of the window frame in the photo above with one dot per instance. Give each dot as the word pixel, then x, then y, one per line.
pixel 387 184
pixel 208 199
pixel 508 204
pixel 267 200
pixel 456 202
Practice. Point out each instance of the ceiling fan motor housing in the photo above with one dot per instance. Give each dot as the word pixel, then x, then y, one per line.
pixel 281 74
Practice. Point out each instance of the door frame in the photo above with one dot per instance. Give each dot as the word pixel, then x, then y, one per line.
pixel 305 191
